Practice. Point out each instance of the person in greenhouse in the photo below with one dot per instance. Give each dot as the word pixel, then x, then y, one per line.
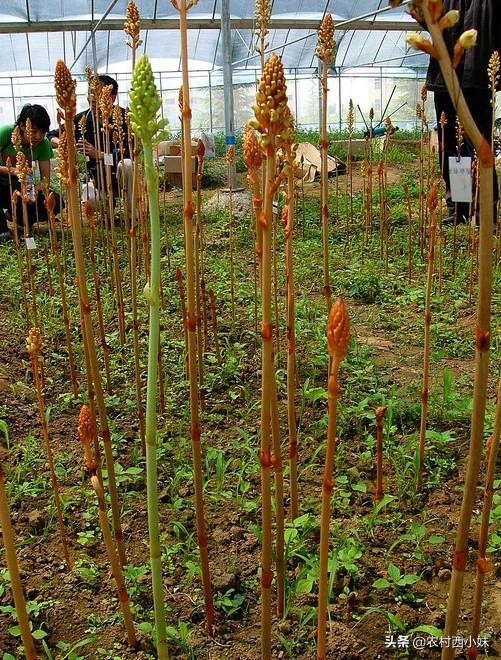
pixel 485 17
pixel 37 150
pixel 87 142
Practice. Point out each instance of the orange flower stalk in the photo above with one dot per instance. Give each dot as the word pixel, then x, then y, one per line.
pixel 483 315
pixel 338 331
pixel 9 545
pixel 188 212
pixel 270 121
pixel 34 348
pixel 214 325
pixel 66 98
pixel 325 53
pixel 253 159
pixel 123 596
pixel 483 565
pixel 49 205
pixel 432 206
pixel 380 413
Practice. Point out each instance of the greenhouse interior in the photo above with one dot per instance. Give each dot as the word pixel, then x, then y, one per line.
pixel 250 386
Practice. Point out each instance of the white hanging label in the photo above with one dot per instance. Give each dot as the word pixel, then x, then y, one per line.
pixel 30 243
pixel 108 159
pixel 460 177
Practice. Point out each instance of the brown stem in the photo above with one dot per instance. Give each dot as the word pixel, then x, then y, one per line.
pixel 327 486
pixel 427 340
pixel 13 567
pixel 482 564
pixel 380 413
pixel 123 596
pixel 483 315
pixel 88 330
pixel 188 212
pixel 214 325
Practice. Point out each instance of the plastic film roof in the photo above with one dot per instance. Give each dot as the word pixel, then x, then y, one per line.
pixel 35 33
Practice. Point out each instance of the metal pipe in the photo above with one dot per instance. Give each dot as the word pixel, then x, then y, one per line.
pixel 229 119
pixel 350 21
pixel 94 29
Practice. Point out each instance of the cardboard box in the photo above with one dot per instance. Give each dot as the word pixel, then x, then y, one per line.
pixel 173 170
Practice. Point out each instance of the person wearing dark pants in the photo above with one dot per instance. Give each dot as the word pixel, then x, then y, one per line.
pixel 479 103
pixel 485 17
pixel 40 151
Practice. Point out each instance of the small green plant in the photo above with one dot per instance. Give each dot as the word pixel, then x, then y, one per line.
pixel 398 582
pixel 232 603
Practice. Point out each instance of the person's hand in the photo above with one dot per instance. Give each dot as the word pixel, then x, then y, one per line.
pixel 88 148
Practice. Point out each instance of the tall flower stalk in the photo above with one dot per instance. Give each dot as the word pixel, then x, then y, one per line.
pixel 338 330
pixel 132 28
pixel 66 98
pixel 483 565
pixel 288 216
pixel 325 53
pixel 270 120
pixel 432 15
pixel 34 348
pixel 9 545
pixel 188 212
pixel 144 105
pixel 432 206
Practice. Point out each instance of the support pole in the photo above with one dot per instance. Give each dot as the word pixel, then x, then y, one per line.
pixel 229 121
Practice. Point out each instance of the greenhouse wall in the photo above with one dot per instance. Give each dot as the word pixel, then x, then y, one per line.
pixel 368 89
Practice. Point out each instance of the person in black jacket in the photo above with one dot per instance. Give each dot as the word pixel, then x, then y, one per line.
pixel 87 141
pixel 485 17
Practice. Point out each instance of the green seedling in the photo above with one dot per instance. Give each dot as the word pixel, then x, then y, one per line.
pixel 398 582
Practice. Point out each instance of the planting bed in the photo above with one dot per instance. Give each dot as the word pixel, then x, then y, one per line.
pixel 390 565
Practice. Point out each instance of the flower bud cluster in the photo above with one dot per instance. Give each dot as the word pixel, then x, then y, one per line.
pixel 16 138
pixel 21 167
pixel 263 14
pixel 252 154
pixel 493 71
pixel 62 158
pixel 350 117
pixel 34 342
pixel 132 25
pixel 28 131
pixel 326 45
pixel 106 105
pixel 230 154
pixel 118 126
pixel 338 330
pixel 271 101
pixel 65 88
pixel 144 101
pixel 86 430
